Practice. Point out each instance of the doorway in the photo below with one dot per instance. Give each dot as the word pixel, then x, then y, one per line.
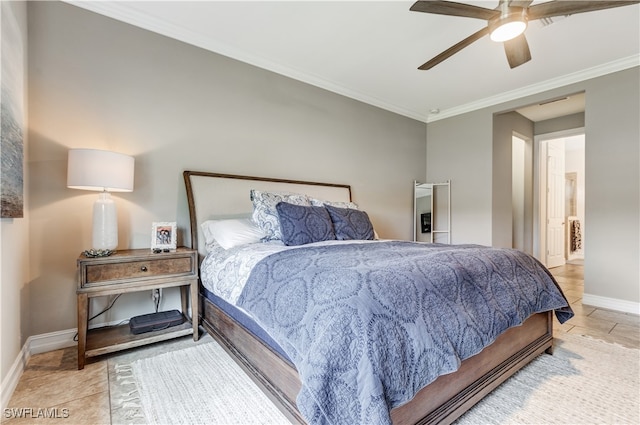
pixel 561 197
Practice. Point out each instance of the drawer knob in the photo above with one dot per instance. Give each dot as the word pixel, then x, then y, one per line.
pixel 143 268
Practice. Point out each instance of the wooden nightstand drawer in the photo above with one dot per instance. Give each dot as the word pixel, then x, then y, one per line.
pixel 128 266
pixel 104 273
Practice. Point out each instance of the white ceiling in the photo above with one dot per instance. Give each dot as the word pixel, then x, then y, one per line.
pixel 370 50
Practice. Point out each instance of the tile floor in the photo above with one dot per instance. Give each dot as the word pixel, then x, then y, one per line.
pixel 607 325
pixel 51 380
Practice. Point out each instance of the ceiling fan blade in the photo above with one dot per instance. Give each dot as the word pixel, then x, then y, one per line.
pixel 568 7
pixel 517 50
pixel 454 49
pixel 453 9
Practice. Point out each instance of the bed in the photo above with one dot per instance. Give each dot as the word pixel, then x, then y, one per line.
pixel 310 361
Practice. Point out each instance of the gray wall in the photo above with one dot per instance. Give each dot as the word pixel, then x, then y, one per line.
pixel 458 149
pixel 99 83
pixel 612 185
pixel 553 125
pixel 462 148
pixel 504 125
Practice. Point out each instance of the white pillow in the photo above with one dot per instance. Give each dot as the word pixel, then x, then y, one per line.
pixel 320 203
pixel 231 232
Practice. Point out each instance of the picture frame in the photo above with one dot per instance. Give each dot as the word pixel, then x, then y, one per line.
pixel 13 128
pixel 163 235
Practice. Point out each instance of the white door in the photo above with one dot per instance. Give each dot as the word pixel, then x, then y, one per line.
pixel 555 203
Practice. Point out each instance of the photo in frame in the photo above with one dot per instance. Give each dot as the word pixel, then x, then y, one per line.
pixel 163 235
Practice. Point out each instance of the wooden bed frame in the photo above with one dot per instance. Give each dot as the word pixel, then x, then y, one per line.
pixel 444 400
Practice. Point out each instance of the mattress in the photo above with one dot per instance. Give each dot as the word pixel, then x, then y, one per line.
pixel 245 320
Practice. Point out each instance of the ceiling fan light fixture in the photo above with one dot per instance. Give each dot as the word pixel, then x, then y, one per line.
pixel 508 28
pixel 511 22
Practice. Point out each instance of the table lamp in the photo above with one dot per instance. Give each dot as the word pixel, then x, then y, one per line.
pixel 92 169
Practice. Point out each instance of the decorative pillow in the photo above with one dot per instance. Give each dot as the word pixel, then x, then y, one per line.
pixel 265 214
pixel 231 232
pixel 350 224
pixel 339 204
pixel 301 225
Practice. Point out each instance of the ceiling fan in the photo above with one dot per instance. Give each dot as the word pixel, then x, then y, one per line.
pixel 507 22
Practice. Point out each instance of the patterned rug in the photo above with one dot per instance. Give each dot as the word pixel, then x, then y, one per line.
pixel 586 381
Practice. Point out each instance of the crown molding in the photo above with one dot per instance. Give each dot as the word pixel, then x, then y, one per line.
pixel 554 83
pixel 124 13
pixel 121 12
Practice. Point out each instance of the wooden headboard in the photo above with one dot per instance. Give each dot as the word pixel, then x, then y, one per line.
pixel 218 196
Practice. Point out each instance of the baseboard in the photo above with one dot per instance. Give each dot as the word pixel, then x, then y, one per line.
pixel 611 303
pixel 10 381
pixel 51 341
pixel 33 345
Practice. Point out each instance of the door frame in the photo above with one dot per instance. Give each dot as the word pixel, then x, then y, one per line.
pixel 540 188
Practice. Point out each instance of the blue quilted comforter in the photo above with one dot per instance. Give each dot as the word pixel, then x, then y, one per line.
pixel 369 324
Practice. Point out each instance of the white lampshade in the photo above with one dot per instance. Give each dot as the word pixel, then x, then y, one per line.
pixel 92 169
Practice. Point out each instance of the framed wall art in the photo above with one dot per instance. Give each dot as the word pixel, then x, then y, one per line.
pixel 12 99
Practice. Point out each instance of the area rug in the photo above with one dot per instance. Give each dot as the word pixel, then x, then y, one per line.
pixel 200 384
pixel 586 381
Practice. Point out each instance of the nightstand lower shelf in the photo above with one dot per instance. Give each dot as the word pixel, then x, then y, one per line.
pixel 111 339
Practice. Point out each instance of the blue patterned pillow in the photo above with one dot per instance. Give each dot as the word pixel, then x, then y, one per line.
pixel 264 210
pixel 350 224
pixel 301 225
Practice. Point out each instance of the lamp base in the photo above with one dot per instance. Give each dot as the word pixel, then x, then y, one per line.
pixel 105 223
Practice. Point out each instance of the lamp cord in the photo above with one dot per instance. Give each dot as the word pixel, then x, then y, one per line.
pixel 75 337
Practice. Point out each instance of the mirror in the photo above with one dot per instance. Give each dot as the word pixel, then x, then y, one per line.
pixel 432 212
pixel 422 210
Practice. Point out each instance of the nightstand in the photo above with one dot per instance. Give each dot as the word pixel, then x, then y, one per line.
pixel 132 271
